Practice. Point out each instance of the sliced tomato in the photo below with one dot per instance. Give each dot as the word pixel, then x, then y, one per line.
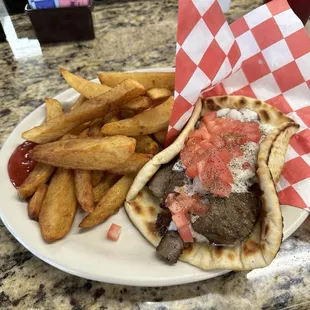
pixel 235 151
pixel 221 189
pixel 191 172
pixel 225 156
pixel 114 232
pixel 218 141
pixel 185 233
pixel 211 116
pixel 210 125
pixel 180 221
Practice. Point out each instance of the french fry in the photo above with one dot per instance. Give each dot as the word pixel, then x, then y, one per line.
pixel 146 122
pixel 86 153
pixel 92 109
pixel 146 145
pixel 86 88
pixel 160 136
pixel 58 207
pixel 84 189
pixel 96 177
pixel 95 127
pixel 39 175
pixel 109 203
pixel 53 108
pixel 158 93
pixel 41 172
pixel 77 130
pixel 35 203
pixel 79 101
pixel 107 182
pixel 112 117
pixel 124 114
pixel 139 104
pixel 132 165
pixel 147 79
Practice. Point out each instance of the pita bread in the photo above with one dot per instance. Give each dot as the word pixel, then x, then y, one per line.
pixel 260 248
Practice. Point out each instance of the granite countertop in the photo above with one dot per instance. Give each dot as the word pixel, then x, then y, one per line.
pixel 129 34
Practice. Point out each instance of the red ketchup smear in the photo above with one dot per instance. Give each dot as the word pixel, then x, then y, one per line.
pixel 20 164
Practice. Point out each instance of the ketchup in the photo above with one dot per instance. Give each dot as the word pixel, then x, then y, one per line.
pixel 20 165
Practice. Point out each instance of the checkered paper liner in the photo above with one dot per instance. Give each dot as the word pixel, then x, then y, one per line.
pixel 264 55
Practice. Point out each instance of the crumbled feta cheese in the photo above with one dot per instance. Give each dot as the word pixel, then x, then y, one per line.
pixel 249 115
pixel 235 114
pixel 266 129
pixel 244 178
pixel 222 112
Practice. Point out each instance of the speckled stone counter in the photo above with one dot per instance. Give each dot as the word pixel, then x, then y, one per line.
pixel 129 34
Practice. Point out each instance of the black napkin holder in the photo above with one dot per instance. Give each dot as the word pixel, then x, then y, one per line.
pixel 62 24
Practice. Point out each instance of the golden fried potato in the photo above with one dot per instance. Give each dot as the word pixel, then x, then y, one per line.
pixel 147 79
pixel 86 153
pixel 39 175
pixel 96 177
pixel 146 122
pixel 58 207
pixel 84 189
pixel 86 88
pixel 95 108
pixel 53 108
pixel 109 203
pixel 77 130
pixel 107 182
pixel 35 203
pixel 132 165
pixel 112 117
pixel 158 93
pixel 79 101
pixel 124 114
pixel 138 104
pixel 160 136
pixel 95 127
pixel 146 145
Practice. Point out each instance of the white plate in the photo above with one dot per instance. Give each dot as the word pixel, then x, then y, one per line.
pixel 89 254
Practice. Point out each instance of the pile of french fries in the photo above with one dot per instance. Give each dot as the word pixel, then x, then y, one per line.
pixel 89 156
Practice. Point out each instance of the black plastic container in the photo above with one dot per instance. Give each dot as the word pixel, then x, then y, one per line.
pixel 15 6
pixel 62 24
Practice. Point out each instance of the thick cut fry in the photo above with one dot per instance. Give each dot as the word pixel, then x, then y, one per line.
pixel 146 145
pixel 35 203
pixel 139 104
pixel 147 122
pixel 84 189
pixel 39 175
pixel 96 177
pixel 132 165
pixel 79 101
pixel 112 117
pixel 92 109
pixel 158 93
pixel 86 153
pixel 124 114
pixel 58 207
pixel 86 88
pixel 147 79
pixel 160 136
pixel 77 130
pixel 108 181
pixel 109 203
pixel 53 108
pixel 95 127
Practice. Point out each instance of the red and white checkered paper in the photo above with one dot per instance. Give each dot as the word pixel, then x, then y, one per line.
pixel 264 55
